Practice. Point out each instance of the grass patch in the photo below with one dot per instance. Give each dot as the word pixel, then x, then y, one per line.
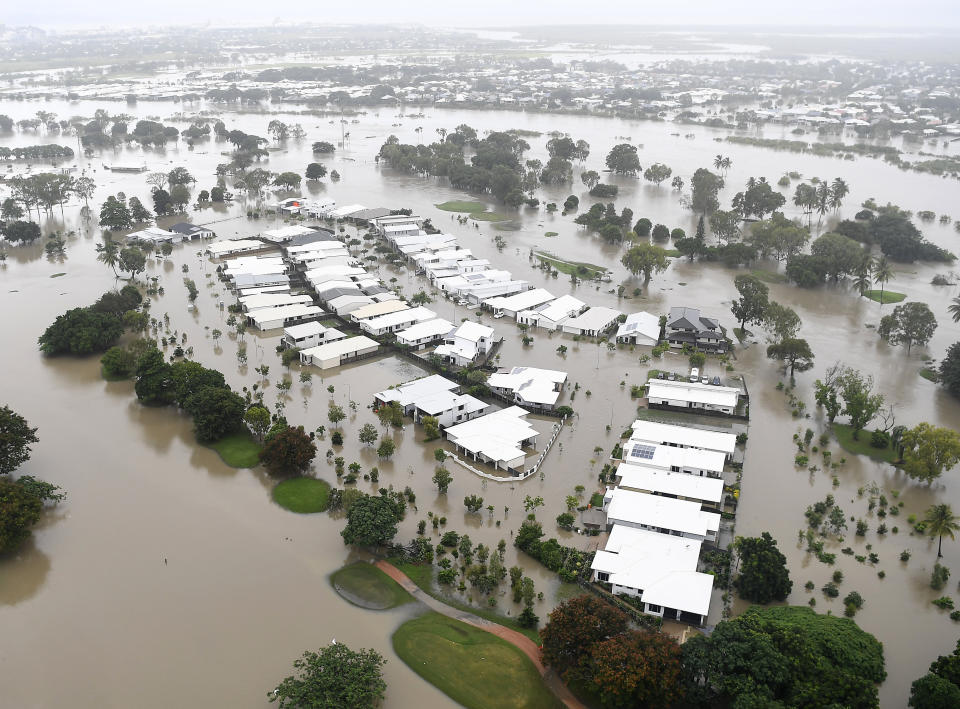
pixel 581 269
pixel 422 575
pixel 469 665
pixel 596 499
pixel 672 253
pixel 931 375
pixel 551 233
pixel 769 276
pixel 57 275
pixel 367 586
pixel 456 205
pixel 488 216
pixel 114 377
pixel 844 436
pixel 238 450
pixel 302 495
pixel 889 296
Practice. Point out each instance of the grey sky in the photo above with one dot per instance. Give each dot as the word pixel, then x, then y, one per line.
pixel 937 14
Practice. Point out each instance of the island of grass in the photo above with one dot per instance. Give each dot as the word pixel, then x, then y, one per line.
pixel 471 666
pixel 302 495
pixel 367 586
pixel 489 216
pixel 238 450
pixel 888 296
pixel 769 276
pixel 422 576
pixel 930 375
pixel 456 205
pixel 580 269
pixel 861 446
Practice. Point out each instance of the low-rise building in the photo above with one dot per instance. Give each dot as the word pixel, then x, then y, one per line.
pixel 593 322
pixel 552 316
pixel 707 491
pixel 333 354
pixel 685 326
pixel 377 309
pixel 510 305
pixel 394 322
pixel 250 303
pixel 639 329
pixel 529 386
pixel 708 398
pixel 669 434
pixel 155 235
pixel 192 231
pixel 424 333
pixel 234 246
pixel 666 515
pixel 310 334
pixel 692 461
pixel 433 396
pixel 273 318
pixel 497 438
pixel 466 343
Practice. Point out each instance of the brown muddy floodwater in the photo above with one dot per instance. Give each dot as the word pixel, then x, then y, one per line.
pixel 90 615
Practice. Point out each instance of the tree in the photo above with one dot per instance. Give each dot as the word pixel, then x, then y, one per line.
pixel 781 321
pixel 860 403
pixel 157 180
pixel 794 352
pixel 421 298
pixel 726 225
pixel 108 253
pixel 784 657
pixel 386 448
pixel 20 232
pixel 278 129
pixel 162 203
pixel 806 271
pixel 179 197
pixel 132 260
pixel 114 214
pixel 574 626
pixel 758 200
pixel 139 213
pixel 638 668
pixel 180 176
pixel 371 521
pixel 913 323
pixel 473 503
pixel 81 331
pixel 153 387
pixel 660 233
pixel 705 187
pixel 323 147
pixel 431 427
pixel 752 305
pixel 335 413
pixel 929 450
pixel 763 570
pixel 778 237
pixel 646 259
pixel 258 419
pixel 940 520
pixel 623 159
pixel 882 273
pixel 10 210
pixel 288 451
pixel 442 478
pixel 19 511
pixel 315 171
pixel 216 412
pixel 590 178
pixel 368 434
pixel 840 254
pixel 657 173
pixel 16 435
pixel 187 378
pixel 289 180
pixel 950 369
pixel 335 676
pixel 934 692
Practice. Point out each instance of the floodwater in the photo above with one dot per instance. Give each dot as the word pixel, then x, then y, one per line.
pixel 167 575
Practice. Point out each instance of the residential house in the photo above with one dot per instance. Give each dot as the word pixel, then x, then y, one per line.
pixel 424 333
pixel 657 513
pixel 591 323
pixel 685 326
pixel 333 354
pixel 552 315
pixel 639 329
pixel 679 394
pixel 310 334
pixel 529 386
pixel 497 438
pixel 463 345
pixel 192 231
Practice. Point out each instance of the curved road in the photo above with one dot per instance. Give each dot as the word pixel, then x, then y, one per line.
pixel 519 640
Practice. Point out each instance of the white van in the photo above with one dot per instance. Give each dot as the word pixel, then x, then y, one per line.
pixel 695 375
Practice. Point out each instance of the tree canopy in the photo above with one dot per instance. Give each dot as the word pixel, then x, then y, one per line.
pixel 287 451
pixel 333 677
pixel 645 259
pixel 751 306
pixel 763 570
pixel 371 521
pixel 910 323
pixel 929 450
pixel 940 687
pixel 16 435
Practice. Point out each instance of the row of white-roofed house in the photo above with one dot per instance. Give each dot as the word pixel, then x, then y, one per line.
pixel 665 505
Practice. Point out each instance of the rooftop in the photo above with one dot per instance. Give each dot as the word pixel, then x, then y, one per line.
pixel 656 432
pixel 695 392
pixel 538 386
pixel 658 511
pixel 646 478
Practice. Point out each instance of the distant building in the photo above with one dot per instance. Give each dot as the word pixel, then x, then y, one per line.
pixel 192 231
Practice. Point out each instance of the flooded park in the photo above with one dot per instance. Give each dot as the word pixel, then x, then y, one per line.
pixel 169 577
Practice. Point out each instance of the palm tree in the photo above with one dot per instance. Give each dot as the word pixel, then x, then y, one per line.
pixel 863 279
pixel 725 164
pixel 718 162
pixel 954 309
pixel 108 253
pixel 838 190
pixel 940 520
pixel 882 272
pixel 822 201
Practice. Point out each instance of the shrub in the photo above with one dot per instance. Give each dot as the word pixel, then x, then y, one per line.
pixel 880 439
pixel 938 579
pixel 944 603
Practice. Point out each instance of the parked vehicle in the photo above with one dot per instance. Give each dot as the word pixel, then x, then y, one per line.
pixel 695 375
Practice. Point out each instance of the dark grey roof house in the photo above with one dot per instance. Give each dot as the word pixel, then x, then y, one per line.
pixel 192 231
pixel 685 326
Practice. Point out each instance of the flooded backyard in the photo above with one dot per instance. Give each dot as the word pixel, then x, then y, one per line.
pixel 168 577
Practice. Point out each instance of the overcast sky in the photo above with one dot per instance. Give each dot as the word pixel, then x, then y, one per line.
pixel 490 13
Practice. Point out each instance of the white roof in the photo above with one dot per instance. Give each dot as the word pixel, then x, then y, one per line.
pixel 225 247
pixel 642 323
pixel 563 307
pixel 425 328
pixel 340 347
pixel 286 233
pixel 472 331
pixel 693 392
pixel 322 245
pixel 335 271
pixel 645 478
pixel 434 404
pixel 272 300
pixel 155 233
pixel 346 210
pixel 347 298
pixel 520 301
pixel 658 511
pixel 410 315
pixel 537 386
pixel 663 566
pixel 410 392
pixel 666 457
pixel 497 435
pixel 284 312
pixel 381 308
pixel 656 432
pixel 305 330
pixel 596 318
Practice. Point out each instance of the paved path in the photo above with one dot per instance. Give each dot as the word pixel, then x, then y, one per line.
pixel 517 639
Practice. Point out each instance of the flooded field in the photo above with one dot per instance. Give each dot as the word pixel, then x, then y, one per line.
pixel 168 577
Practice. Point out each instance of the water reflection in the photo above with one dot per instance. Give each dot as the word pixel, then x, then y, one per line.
pixel 22 574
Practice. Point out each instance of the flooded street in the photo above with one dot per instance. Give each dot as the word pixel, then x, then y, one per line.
pixel 167 577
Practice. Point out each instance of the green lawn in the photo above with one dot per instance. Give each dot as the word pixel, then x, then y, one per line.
pixel 844 435
pixel 471 666
pixel 488 216
pixel 673 253
pixel 238 450
pixel 889 296
pixel 596 499
pixel 462 206
pixel 367 586
pixel 551 233
pixel 578 268
pixel 302 495
pixel 769 276
pixel 57 275
pixel 422 575
pixel 930 374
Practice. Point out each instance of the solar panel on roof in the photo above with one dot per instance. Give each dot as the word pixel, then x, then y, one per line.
pixel 642 451
pixel 631 327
